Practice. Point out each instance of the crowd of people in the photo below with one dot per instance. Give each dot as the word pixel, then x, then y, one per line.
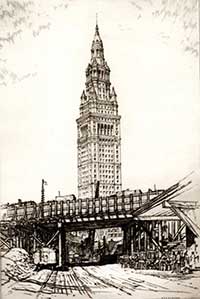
pixel 176 261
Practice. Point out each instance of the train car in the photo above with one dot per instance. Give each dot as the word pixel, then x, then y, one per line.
pixel 66 208
pixel 53 211
pixel 4 212
pixel 84 206
pixel 45 209
pixel 63 207
pixel 25 210
pixel 45 258
pixel 11 212
pixel 48 209
pixel 31 210
pixel 19 211
pixel 111 204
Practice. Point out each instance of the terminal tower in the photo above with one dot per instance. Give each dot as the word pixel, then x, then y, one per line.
pixel 98 126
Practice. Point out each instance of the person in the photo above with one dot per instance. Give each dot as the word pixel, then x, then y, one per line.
pixel 141 261
pixel 163 262
pixel 126 261
pixel 131 262
pixel 165 239
pixel 156 261
pixel 196 255
pixel 186 268
pixel 136 260
pixel 182 259
pixel 121 261
pixel 148 263
pixel 173 262
pixel 178 262
pixel 192 261
pixel 168 262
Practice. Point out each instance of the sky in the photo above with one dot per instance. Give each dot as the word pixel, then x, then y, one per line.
pixel 152 49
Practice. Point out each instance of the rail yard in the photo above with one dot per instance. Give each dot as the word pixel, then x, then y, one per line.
pixel 157 256
pixel 103 281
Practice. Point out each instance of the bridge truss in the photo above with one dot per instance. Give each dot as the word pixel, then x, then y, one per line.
pixel 149 225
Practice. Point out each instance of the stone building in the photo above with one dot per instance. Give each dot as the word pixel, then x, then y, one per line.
pixel 99 136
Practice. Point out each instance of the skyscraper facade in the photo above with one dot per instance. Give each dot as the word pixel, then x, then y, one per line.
pixel 98 125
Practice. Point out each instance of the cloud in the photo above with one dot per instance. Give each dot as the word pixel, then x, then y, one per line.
pixel 14 16
pixel 136 5
pixel 11 9
pixel 191 50
pixel 183 17
pixel 10 37
pixel 20 21
pixel 9 77
pixel 16 5
pixel 40 28
pixel 179 17
pixel 31 15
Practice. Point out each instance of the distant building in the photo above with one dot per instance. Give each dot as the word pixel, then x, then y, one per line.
pixel 99 137
pixel 114 233
pixel 69 197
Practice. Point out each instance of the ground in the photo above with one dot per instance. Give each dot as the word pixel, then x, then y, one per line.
pixel 109 281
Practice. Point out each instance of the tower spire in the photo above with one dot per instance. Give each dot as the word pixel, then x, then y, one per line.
pixel 97 27
pixel 97 50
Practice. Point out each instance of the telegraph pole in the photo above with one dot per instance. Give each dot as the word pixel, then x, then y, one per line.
pixel 43 197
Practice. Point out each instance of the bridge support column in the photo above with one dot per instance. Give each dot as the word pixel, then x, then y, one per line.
pixel 126 240
pixel 153 234
pixel 124 229
pixel 62 256
pixel 91 239
pixel 139 239
pixel 160 235
pixel 14 241
pixel 145 240
pixel 21 241
pixel 11 239
pixel 149 227
pixel 11 242
pixel 34 240
pixel 133 239
pixel 173 228
pixel 18 241
pixel 27 243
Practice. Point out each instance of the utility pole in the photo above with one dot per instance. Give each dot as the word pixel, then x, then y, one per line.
pixel 44 183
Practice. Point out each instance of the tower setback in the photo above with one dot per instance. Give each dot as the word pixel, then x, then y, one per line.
pixel 99 135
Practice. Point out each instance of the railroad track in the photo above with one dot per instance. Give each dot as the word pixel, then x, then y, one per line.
pixel 69 283
pixel 46 284
pixel 84 289
pixel 124 284
pixel 110 283
pixel 86 282
pixel 56 282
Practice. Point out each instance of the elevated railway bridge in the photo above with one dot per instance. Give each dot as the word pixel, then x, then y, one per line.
pixel 149 221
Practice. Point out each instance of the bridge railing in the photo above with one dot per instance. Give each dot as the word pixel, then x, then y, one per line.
pixel 121 204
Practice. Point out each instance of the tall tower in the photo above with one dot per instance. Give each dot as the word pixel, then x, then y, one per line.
pixel 99 136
